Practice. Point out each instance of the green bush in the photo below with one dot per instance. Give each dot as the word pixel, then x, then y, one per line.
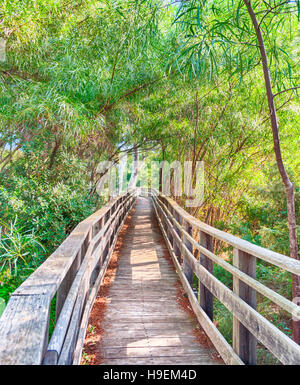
pixel 37 213
pixel 51 211
pixel 223 275
pixel 223 317
pixel 18 248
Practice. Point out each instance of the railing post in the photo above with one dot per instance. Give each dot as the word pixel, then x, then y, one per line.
pixel 188 271
pixel 176 249
pixel 169 232
pixel 244 343
pixel 111 211
pixel 96 228
pixel 205 297
pixel 65 285
pixel 164 222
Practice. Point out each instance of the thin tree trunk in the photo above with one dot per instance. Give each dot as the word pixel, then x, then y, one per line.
pixel 55 149
pixel 195 132
pixel 136 168
pixel 289 187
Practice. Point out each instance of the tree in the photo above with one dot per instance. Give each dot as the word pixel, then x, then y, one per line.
pixel 218 38
pixel 289 186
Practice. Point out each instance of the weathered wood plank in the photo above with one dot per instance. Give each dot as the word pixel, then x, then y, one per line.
pixel 66 284
pixel 152 327
pixel 173 360
pixel 24 330
pixel 132 334
pixel 66 355
pixel 206 299
pixel 244 343
pixel 163 341
pixel 286 350
pixel 154 351
pixel 188 271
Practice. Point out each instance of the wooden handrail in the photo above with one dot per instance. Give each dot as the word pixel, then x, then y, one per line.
pixel 74 273
pixel 284 303
pixel 277 259
pixel 248 325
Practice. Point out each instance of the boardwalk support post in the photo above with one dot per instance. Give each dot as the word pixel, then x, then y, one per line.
pixel 176 248
pixel 244 343
pixel 64 287
pixel 204 295
pixel 188 271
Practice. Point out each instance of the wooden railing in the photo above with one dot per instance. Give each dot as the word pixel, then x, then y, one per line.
pixel 72 274
pixel 179 229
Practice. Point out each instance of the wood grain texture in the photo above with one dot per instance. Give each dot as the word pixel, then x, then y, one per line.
pixel 244 342
pixel 24 330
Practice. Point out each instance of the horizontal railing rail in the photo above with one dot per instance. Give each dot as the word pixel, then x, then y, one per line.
pixel 73 274
pixel 178 228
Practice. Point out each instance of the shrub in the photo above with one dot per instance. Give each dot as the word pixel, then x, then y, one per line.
pixel 18 248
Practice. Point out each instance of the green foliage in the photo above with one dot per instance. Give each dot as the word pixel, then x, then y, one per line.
pixel 9 283
pixel 264 357
pixel 52 316
pixel 18 248
pixel 265 209
pixel 219 37
pixel 223 275
pixel 2 306
pixel 223 319
pixel 50 210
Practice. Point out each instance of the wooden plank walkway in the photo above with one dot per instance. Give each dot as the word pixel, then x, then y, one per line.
pixel 143 322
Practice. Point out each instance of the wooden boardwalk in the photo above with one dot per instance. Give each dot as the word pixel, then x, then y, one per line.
pixel 143 321
pixel 141 315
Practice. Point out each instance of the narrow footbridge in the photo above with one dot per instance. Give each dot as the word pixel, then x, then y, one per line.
pixel 144 322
